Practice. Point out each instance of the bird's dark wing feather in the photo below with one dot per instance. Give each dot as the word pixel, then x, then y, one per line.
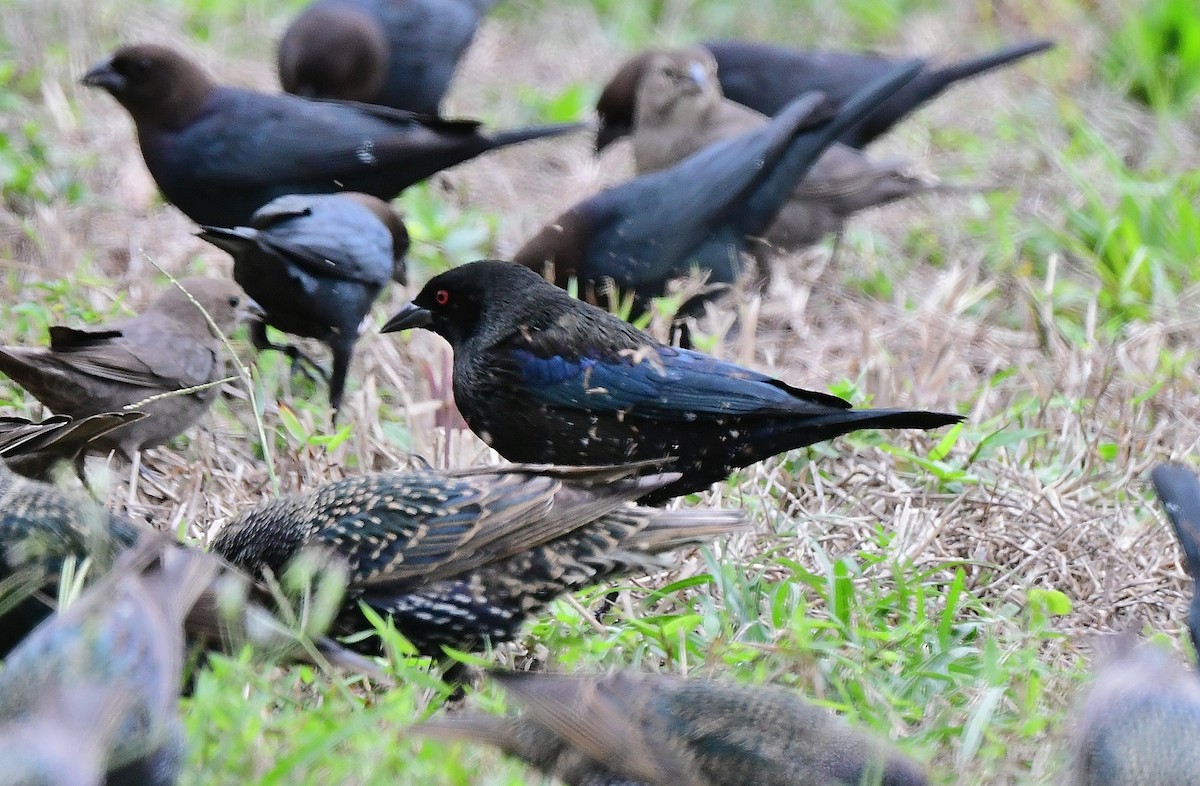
pixel 120 355
pixel 331 239
pixel 662 383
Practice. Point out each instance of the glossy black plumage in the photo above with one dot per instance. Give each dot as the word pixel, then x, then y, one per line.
pixel 125 632
pixel 219 153
pixel 703 212
pixel 767 77
pixel 462 558
pixel 1178 489
pixel 315 263
pixel 628 729
pixel 397 53
pixel 542 377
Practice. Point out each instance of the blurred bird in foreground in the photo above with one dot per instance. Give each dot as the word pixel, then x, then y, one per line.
pixel 462 558
pixel 125 633
pixel 628 729
pixel 142 363
pixel 315 263
pixel 543 377
pixel 33 449
pixel 679 110
pixel 219 153
pixel 1178 489
pixel 702 213
pixel 1139 722
pixel 397 53
pixel 42 527
pixel 65 740
pixel 766 78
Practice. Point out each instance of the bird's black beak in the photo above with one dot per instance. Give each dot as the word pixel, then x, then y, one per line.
pixel 411 316
pixel 103 75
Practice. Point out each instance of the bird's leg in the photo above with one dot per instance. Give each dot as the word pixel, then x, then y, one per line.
pixel 300 361
pixel 341 366
pixel 837 244
pixel 135 464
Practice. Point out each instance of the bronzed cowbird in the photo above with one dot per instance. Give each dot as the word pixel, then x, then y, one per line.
pixel 545 378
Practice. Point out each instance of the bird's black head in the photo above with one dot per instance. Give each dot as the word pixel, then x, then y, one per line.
pixel 155 84
pixel 489 295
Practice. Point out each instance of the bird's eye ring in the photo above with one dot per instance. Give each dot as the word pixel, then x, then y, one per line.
pixel 442 297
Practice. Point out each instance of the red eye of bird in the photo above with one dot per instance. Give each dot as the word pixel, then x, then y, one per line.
pixel 442 297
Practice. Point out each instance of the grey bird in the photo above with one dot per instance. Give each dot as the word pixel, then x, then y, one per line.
pixel 143 363
pixel 126 633
pixel 316 263
pixel 629 729
pixel 1139 721
pixel 680 110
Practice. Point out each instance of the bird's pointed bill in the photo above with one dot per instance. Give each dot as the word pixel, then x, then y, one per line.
pixel 411 316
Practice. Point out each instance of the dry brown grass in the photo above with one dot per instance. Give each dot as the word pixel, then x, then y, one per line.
pixel 1049 514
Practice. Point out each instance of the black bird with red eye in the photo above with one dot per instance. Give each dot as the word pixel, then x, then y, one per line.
pixel 545 378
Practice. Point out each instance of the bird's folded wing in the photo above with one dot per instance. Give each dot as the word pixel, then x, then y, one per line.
pixel 158 360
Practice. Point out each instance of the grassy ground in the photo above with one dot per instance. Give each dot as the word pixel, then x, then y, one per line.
pixel 943 589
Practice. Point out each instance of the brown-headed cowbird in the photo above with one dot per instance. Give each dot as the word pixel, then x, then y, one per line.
pixel 219 153
pixel 543 377
pixel 316 263
pixel 462 558
pixel 169 347
pixel 680 110
pixel 629 729
pixel 125 632
pixel 397 53
pixel 32 449
pixel 1139 722
pixel 642 233
pixel 766 78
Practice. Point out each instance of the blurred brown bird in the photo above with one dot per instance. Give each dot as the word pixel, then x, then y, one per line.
pixel 169 347
pixel 680 110
pixel 628 729
pixel 126 633
pixel 1139 721
pixel 32 449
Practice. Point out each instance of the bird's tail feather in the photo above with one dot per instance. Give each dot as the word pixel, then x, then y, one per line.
pixel 671 529
pixel 1179 490
pixel 494 730
pixel 516 135
pixel 936 81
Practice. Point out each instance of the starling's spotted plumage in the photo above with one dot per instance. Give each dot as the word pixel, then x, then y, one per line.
pixel 40 526
pixel 459 558
pixel 169 347
pixel 316 263
pixel 543 377
pixel 126 633
pixel 32 449
pixel 1139 722
pixel 627 729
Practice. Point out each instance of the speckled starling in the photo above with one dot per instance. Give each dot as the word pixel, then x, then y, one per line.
pixel 543 377
pixel 124 632
pixel 628 729
pixel 462 557
pixel 1139 722
pixel 316 263
pixel 32 449
pixel 169 347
